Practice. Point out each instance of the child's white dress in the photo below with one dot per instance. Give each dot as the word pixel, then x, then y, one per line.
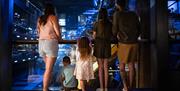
pixel 84 68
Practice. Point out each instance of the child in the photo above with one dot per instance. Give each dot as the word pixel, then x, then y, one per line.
pixel 67 78
pixel 84 67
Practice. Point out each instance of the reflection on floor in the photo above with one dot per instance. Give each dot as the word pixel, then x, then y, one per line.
pixel 34 83
pixel 32 78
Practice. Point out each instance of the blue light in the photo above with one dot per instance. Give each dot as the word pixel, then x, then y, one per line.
pixel 30 28
pixel 93 10
pixel 90 12
pixel 15 13
pixel 18 36
pixel 172 5
pixel 23 60
pixel 62 22
pixel 29 58
pixel 132 5
pixel 95 2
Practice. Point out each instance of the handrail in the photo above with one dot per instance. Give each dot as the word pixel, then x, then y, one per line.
pixel 36 42
pixel 65 41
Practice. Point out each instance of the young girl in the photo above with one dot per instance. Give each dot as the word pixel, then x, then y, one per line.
pixel 84 67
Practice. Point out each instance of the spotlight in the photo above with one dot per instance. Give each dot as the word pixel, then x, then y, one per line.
pixel 18 36
pixel 15 61
pixel 23 60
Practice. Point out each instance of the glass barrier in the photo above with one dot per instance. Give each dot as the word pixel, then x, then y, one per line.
pixel 28 67
pixel 174 34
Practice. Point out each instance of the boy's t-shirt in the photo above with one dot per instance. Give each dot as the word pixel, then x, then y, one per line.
pixel 70 80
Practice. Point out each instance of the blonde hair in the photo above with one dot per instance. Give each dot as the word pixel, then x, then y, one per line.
pixel 84 47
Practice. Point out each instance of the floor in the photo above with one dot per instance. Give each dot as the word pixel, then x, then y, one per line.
pixel 33 82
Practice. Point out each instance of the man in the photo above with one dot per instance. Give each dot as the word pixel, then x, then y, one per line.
pixel 126 27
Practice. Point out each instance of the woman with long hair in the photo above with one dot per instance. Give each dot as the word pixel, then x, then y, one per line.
pixel 102 46
pixel 49 35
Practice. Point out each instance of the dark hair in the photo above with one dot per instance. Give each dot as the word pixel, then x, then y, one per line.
pixel 103 14
pixel 84 47
pixel 49 10
pixel 103 18
pixel 121 3
pixel 66 59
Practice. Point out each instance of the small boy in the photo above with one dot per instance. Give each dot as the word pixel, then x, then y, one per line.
pixel 67 78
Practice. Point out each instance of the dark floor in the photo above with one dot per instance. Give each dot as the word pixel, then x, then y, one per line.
pixel 32 81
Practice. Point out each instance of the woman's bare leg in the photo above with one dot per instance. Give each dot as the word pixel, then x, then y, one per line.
pixel 100 71
pixel 48 72
pixel 106 73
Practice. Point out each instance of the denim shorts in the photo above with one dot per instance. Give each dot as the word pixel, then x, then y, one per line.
pixel 48 47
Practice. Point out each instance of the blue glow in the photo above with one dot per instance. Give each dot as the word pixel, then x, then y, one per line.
pixel 15 61
pixel 172 5
pixel 62 22
pixel 93 10
pixel 24 60
pixel 18 36
pixel 95 2
pixel 132 5
pixel 90 12
pixel 179 7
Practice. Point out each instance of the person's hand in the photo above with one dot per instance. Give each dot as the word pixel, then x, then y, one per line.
pixel 60 39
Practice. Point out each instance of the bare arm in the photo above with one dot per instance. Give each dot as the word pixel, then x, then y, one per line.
pixel 94 34
pixel 62 78
pixel 56 27
pixel 38 26
pixel 94 30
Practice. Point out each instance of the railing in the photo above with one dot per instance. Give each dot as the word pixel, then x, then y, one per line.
pixel 95 65
pixel 66 41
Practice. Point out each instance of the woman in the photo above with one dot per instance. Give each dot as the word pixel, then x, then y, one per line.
pixel 49 35
pixel 102 46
